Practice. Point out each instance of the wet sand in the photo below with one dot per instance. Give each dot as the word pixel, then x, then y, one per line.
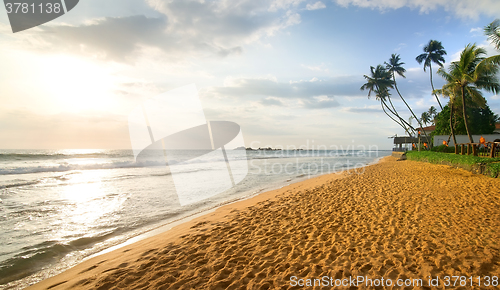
pixel 398 220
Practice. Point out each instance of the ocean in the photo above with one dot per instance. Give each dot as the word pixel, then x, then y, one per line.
pixel 58 207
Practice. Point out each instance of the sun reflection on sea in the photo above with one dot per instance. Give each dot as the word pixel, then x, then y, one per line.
pixel 88 200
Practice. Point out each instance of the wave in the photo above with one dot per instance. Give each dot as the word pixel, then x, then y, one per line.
pixel 48 155
pixel 33 259
pixel 18 184
pixel 69 167
pixel 105 165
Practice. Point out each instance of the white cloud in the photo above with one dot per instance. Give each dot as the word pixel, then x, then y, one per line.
pixel 183 28
pixel 320 68
pixel 312 94
pixel 476 29
pixel 271 101
pixel 320 102
pixel 461 8
pixel 400 46
pixel 315 6
pixel 364 110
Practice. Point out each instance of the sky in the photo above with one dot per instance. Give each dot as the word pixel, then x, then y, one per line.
pixel 288 72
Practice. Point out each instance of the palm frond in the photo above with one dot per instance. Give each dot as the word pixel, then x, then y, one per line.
pixel 492 30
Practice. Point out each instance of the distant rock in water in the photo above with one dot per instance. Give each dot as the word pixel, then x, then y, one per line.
pixel 240 148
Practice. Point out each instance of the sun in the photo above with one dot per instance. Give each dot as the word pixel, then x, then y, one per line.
pixel 74 85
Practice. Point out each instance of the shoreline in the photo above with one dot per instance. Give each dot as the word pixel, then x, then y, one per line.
pixel 161 227
pixel 287 232
pixel 172 224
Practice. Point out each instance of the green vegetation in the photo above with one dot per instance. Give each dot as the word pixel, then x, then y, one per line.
pixel 467 77
pixel 467 111
pixel 492 30
pixel 482 165
pixel 443 148
pixel 482 121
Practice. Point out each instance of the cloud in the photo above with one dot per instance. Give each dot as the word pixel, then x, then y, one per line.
pixel 270 101
pixel 109 38
pixel 316 6
pixel 400 46
pixel 364 110
pixel 184 28
pixel 321 102
pixel 460 8
pixel 30 130
pixel 477 31
pixel 303 89
pixel 321 68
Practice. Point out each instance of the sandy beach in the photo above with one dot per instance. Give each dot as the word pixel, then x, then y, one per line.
pixel 398 220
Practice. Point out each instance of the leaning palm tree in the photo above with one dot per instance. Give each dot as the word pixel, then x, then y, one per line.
pixel 433 53
pixel 395 66
pixel 379 83
pixel 468 76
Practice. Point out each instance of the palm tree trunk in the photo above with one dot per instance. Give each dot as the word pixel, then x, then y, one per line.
pixel 382 103
pixel 401 119
pixel 452 125
pixel 409 108
pixel 394 111
pixel 465 117
pixel 432 85
pixel 395 114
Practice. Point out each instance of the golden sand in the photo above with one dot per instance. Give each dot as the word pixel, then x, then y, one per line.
pixel 397 220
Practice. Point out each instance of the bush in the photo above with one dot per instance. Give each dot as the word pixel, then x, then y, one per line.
pixel 476 164
pixel 443 148
pixel 493 169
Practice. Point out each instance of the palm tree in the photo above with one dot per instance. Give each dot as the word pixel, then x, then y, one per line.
pixel 395 66
pixel 432 113
pixel 468 76
pixel 492 30
pixel 452 94
pixel 433 53
pixel 425 118
pixel 379 82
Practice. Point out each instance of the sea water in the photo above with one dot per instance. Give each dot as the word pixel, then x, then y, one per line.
pixel 58 207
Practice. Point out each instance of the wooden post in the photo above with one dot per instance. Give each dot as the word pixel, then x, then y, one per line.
pixel 475 149
pixel 462 149
pixel 456 149
pixel 468 149
pixel 492 153
pixel 419 142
